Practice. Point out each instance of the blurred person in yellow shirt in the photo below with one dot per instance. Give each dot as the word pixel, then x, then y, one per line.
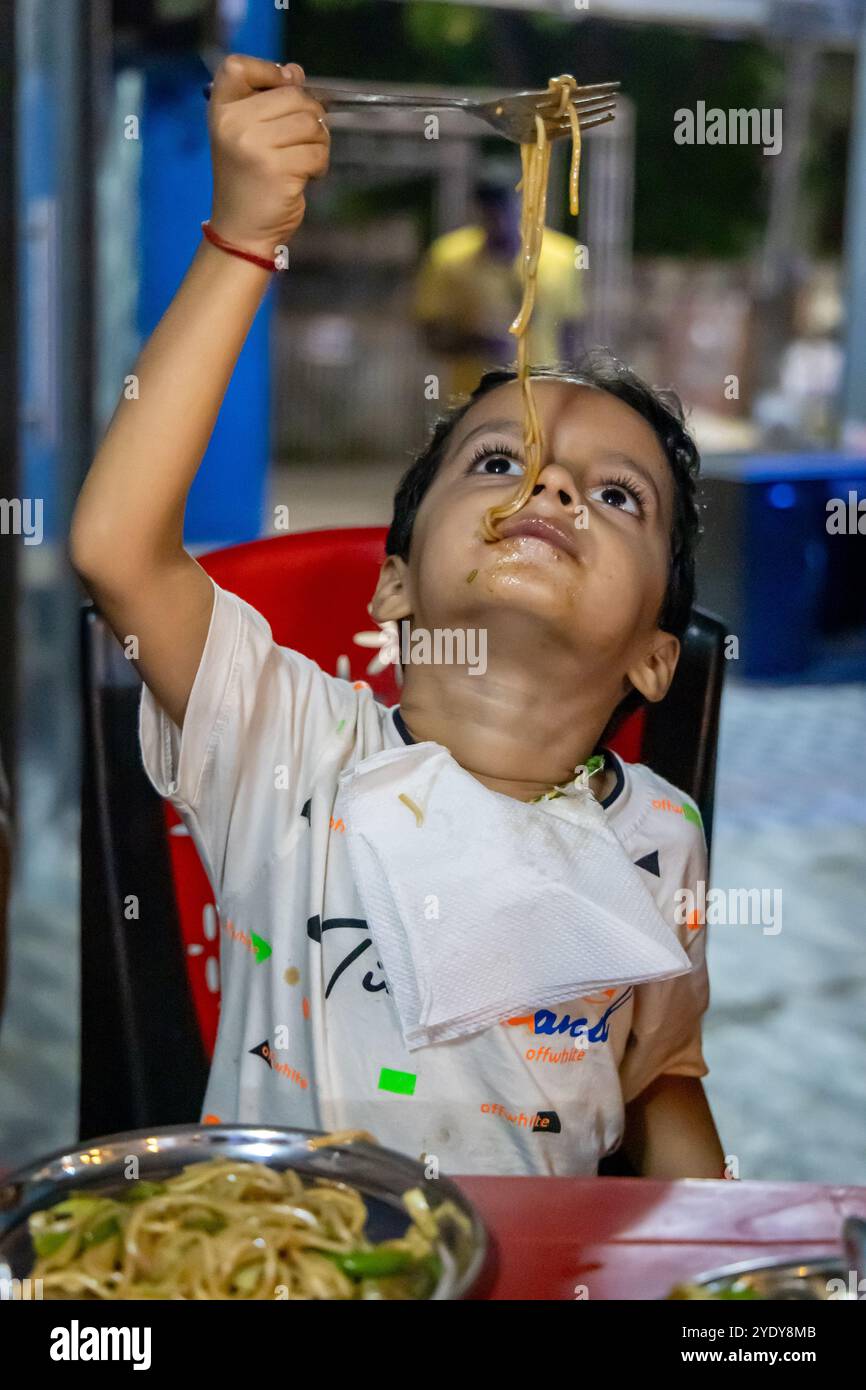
pixel 468 289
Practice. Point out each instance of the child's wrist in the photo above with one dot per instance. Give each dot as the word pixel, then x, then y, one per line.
pixel 217 231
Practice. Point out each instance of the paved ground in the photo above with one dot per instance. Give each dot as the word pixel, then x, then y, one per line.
pixel 786 1030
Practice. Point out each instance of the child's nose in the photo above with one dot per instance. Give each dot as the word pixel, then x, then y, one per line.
pixel 556 481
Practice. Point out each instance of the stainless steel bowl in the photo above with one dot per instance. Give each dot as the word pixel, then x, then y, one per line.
pixel 781 1279
pixel 380 1175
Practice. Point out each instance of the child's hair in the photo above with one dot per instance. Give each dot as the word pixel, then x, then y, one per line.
pixel 660 407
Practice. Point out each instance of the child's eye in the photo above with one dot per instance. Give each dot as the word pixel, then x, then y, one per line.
pixel 619 493
pixel 492 457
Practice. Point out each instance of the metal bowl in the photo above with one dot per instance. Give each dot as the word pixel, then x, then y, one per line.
pixel 380 1175
pixel 781 1279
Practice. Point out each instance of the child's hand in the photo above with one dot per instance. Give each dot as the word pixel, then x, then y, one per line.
pixel 267 140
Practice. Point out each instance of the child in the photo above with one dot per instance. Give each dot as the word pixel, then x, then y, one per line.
pixel 581 620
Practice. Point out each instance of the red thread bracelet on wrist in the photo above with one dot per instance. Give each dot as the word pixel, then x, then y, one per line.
pixel 217 240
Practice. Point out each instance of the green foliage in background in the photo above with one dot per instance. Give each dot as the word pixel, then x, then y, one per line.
pixel 431 26
pixel 689 200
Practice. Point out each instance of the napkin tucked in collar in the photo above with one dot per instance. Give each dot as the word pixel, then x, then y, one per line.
pixel 482 906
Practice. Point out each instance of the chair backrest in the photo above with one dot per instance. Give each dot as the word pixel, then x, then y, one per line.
pixel 149 935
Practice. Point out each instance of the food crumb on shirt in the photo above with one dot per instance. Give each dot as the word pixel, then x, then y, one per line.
pixel 416 810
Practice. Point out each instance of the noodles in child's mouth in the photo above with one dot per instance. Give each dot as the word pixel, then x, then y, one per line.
pixel 535 160
pixel 232 1229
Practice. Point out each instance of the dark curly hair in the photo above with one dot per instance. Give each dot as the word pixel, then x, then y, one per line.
pixel 660 407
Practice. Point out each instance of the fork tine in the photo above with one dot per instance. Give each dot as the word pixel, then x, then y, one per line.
pixel 597 120
pixel 590 104
pixel 595 104
pixel 581 94
pixel 596 89
pixel 598 114
pixel 599 86
pixel 583 116
pixel 585 122
pixel 563 125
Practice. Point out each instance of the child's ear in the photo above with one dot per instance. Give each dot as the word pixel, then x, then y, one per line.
pixel 654 671
pixel 391 601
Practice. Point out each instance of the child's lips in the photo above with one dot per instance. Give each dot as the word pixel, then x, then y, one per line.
pixel 541 528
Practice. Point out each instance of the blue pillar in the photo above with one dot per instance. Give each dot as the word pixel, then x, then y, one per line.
pixel 226 503
pixel 854 396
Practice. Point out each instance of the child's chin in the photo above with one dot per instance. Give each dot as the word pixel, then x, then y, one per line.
pixel 548 583
pixel 545 607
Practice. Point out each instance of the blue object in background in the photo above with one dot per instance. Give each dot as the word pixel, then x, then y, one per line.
pixel 38 307
pixel 781 496
pixel 226 502
pixel 786 560
pixel 771 567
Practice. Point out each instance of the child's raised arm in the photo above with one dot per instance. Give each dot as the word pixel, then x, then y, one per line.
pixel 267 139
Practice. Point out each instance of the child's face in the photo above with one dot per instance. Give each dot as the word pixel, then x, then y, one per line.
pixel 599 583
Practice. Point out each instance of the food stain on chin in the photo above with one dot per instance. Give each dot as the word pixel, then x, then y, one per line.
pixel 505 573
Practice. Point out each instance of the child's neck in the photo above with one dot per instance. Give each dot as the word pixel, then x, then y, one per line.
pixel 518 748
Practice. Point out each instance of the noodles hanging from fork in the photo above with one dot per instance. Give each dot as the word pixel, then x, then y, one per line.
pixel 535 162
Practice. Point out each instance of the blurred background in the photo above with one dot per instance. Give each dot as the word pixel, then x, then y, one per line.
pixel 732 269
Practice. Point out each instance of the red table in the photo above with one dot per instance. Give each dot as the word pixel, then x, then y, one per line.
pixel 633 1238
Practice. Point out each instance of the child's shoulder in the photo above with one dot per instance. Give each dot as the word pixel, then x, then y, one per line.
pixel 656 808
pixel 650 783
pixel 288 685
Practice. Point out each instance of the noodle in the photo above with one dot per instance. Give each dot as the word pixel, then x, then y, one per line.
pixel 232 1229
pixel 341 1136
pixel 535 162
pixel 416 810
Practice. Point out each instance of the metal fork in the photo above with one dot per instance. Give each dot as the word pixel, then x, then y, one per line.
pixel 512 116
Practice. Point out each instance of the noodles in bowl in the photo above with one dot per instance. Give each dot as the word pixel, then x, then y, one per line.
pixel 227 1228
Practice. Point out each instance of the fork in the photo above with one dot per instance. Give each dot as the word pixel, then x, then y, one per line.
pixel 512 116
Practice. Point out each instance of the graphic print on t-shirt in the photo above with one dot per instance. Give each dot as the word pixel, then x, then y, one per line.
pixel 550 1022
pixel 315 927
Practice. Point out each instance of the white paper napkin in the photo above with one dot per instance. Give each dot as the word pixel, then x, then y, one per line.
pixel 482 906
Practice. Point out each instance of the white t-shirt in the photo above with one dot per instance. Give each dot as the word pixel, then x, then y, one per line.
pixel 308 1033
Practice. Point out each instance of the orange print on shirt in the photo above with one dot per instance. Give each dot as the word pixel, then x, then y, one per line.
pixel 522 1020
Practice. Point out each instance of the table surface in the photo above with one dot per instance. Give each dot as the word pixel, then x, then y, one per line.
pixel 633 1238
